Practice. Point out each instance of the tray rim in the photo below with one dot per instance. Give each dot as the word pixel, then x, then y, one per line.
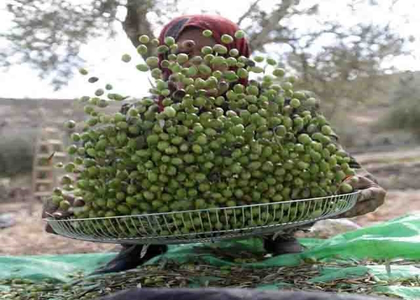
pixel 205 209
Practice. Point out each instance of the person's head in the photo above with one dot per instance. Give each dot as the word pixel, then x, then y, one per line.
pixel 190 27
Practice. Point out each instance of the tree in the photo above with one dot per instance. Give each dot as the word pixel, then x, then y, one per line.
pixel 404 113
pixel 48 35
pixel 350 67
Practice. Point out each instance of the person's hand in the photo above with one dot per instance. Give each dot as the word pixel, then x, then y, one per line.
pixel 371 196
pixel 53 210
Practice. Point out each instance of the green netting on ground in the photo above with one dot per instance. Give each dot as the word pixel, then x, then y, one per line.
pixel 399 238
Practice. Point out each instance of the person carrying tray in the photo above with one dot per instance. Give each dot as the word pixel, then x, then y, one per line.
pixel 187 31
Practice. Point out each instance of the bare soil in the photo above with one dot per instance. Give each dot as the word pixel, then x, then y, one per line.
pixel 27 236
pixel 397 204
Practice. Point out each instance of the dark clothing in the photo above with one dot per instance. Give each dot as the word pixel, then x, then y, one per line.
pixel 228 294
pixel 130 257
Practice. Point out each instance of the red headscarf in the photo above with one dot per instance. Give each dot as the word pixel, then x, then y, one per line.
pixel 217 24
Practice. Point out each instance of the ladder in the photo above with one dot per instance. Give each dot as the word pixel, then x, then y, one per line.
pixel 49 150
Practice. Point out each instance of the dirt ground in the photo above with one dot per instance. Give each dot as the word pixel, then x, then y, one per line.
pixel 397 203
pixel 27 236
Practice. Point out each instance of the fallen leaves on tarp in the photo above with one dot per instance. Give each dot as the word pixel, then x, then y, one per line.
pixel 171 275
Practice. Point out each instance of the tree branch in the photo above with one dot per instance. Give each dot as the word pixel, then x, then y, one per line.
pixel 251 8
pixel 259 39
pixel 136 23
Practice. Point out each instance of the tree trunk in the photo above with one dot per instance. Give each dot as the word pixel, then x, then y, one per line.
pixel 136 23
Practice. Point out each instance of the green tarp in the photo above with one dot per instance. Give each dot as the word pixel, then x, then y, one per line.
pixel 399 238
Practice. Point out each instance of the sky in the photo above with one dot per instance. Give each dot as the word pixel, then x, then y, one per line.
pixel 103 55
